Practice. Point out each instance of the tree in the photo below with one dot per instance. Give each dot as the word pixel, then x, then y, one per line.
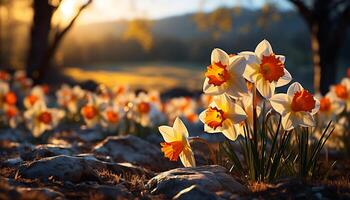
pixel 327 22
pixel 42 46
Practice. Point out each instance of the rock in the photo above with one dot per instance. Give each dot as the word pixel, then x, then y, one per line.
pixel 212 179
pixel 9 191
pixel 14 135
pixel 194 192
pixel 88 191
pixel 74 169
pixel 133 150
pixel 46 150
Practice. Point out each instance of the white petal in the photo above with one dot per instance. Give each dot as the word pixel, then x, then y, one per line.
pixel 229 130
pixel 251 72
pixel 211 89
pixel 236 113
pixel 281 58
pixel 280 103
pixel 187 157
pixel 237 87
pixel 218 55
pixel 293 88
pixel 305 119
pixel 167 133
pixel 287 121
pixel 250 57
pixel 237 66
pixel 265 88
pixel 179 127
pixel 263 49
pixel 284 80
pixel 317 107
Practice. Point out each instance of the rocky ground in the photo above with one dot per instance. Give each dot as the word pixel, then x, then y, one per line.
pixel 85 165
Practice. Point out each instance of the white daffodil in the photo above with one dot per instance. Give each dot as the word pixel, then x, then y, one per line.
pixel 71 99
pixel 265 69
pixel 247 104
pixel 330 107
pixel 224 75
pixel 297 107
pixel 39 118
pixel 7 97
pixel 10 115
pixel 176 143
pixel 91 111
pixel 223 115
pixel 342 92
pixel 110 117
pixel 37 94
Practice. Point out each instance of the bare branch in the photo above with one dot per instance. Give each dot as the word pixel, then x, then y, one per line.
pixel 59 34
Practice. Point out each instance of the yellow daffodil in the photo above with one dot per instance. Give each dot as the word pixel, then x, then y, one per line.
pixel 176 143
pixel 223 115
pixel 265 69
pixel 297 107
pixel 224 75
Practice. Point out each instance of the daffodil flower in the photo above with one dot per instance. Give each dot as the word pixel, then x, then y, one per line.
pixel 297 107
pixel 91 111
pixel 225 116
pixel 330 107
pixel 224 75
pixel 111 117
pixel 176 143
pixel 342 92
pixel 39 118
pixel 265 69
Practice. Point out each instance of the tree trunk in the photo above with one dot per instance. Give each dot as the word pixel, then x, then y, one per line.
pixel 39 40
pixel 325 49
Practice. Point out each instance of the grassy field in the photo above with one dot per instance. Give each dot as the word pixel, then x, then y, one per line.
pixel 159 76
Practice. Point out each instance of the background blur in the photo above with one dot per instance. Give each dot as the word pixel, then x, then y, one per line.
pixel 166 44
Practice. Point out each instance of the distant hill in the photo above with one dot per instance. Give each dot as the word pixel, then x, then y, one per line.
pixel 178 39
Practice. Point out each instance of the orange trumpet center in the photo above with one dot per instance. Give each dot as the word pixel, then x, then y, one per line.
pixel 144 107
pixel 11 112
pixel 303 101
pixel 217 74
pixel 10 98
pixel 4 75
pixel 112 116
pixel 89 112
pixel 45 117
pixel 172 150
pixel 32 99
pixel 325 104
pixel 214 117
pixel 340 91
pixel 271 68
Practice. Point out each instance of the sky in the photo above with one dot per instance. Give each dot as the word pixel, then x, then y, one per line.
pixel 109 10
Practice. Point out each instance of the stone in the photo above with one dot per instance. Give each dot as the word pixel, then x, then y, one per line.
pixel 74 169
pixel 45 150
pixel 194 192
pixel 211 178
pixel 133 150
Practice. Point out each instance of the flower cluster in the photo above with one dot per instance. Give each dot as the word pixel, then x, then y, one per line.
pixel 239 95
pixel 113 110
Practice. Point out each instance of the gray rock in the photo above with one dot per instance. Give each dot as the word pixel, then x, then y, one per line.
pixel 9 190
pixel 87 191
pixel 212 178
pixel 194 192
pixel 133 150
pixel 74 169
pixel 45 150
